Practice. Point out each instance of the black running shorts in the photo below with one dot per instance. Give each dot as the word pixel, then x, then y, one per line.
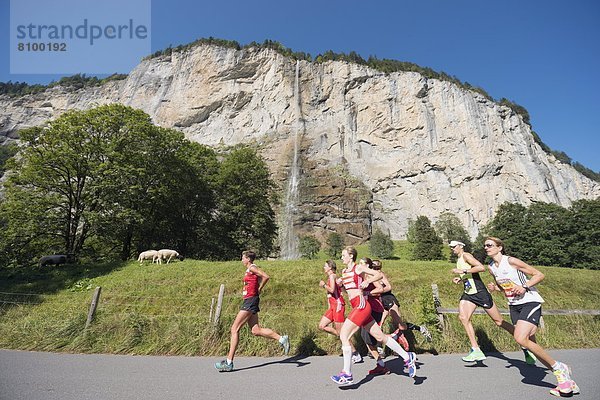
pixel 530 312
pixel 388 300
pixel 483 299
pixel 251 304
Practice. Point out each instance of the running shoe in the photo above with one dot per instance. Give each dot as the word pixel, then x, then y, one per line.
pixel 379 370
pixel 565 385
pixel 425 332
pixel 474 355
pixel 574 390
pixel 285 343
pixel 410 364
pixel 381 351
pixel 565 369
pixel 356 358
pixel 530 358
pixel 224 366
pixel 342 378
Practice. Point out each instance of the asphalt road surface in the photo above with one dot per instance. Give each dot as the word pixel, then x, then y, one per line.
pixel 48 376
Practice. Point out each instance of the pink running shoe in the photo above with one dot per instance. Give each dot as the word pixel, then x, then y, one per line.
pixel 565 387
pixel 574 390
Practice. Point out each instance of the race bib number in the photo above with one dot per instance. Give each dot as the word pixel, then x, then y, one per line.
pixel 507 286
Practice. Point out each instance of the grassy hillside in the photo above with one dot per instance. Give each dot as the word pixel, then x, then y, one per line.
pixel 164 309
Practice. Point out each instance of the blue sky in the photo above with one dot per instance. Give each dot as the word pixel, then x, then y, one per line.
pixel 543 55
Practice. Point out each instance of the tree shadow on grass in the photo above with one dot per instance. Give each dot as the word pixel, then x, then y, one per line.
pixel 412 342
pixel 27 285
pixel 308 346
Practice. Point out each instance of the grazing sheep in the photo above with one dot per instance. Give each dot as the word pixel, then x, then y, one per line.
pixel 55 259
pixel 166 254
pixel 147 255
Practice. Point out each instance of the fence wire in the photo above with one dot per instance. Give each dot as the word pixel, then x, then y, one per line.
pixel 124 305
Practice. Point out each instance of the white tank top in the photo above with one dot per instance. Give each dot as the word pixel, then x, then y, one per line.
pixel 508 277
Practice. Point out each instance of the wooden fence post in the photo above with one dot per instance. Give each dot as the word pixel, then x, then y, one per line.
pixel 219 305
pixel 212 307
pixel 437 304
pixel 93 306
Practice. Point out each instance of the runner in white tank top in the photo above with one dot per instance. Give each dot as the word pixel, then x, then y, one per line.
pixel 525 304
pixel 508 278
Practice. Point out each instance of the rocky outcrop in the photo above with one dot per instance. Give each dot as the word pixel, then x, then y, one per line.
pixel 376 149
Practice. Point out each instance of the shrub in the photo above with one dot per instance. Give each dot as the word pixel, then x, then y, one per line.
pixel 428 245
pixel 381 244
pixel 335 244
pixel 309 247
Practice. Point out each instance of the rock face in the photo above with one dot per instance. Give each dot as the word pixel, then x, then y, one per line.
pixel 375 149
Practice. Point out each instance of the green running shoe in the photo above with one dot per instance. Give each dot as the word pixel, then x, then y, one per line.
pixel 474 355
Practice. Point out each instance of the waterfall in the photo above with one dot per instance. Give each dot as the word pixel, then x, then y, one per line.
pixel 288 238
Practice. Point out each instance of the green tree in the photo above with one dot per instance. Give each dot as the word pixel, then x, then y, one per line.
pixel 6 152
pixel 428 245
pixel 584 238
pixel 146 183
pixel 535 234
pixel 245 193
pixel 334 245
pixel 449 227
pixel 548 228
pixel 478 251
pixel 381 244
pixel 510 225
pixel 106 174
pixel 309 246
pixel 56 174
pixel 183 217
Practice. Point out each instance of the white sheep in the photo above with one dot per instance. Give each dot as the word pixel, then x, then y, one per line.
pixel 166 254
pixel 147 255
pixel 55 259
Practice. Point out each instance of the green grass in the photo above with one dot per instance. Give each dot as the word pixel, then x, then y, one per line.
pixel 164 309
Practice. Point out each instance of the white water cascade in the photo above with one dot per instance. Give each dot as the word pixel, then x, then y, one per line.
pixel 287 237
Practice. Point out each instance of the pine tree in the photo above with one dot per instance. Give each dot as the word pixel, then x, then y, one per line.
pixel 381 245
pixel 428 245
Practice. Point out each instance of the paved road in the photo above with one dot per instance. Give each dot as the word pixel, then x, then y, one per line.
pixel 49 376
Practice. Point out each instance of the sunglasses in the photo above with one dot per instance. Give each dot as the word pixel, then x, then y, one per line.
pixel 488 245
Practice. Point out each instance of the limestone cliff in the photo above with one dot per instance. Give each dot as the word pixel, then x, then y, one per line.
pixel 375 149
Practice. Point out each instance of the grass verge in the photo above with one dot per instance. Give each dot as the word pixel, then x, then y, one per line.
pixel 164 309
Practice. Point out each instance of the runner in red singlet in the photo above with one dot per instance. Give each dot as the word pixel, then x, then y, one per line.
pixel 337 306
pixel 336 313
pixel 355 278
pixel 391 306
pixel 373 293
pixel 255 280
